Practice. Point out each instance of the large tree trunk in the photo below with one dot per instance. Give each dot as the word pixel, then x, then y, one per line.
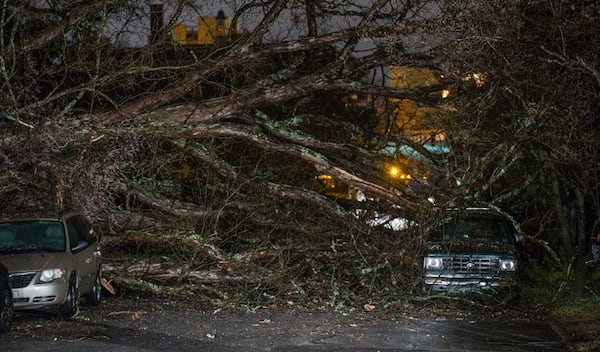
pixel 582 243
pixel 561 215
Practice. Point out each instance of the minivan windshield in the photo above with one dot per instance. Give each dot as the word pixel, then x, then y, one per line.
pixel 472 229
pixel 32 235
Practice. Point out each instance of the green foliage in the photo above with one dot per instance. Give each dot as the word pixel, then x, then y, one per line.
pixel 588 308
pixel 543 283
pixel 589 346
pixel 548 284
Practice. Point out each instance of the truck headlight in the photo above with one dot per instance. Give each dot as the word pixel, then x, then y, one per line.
pixel 433 263
pixel 51 274
pixel 507 265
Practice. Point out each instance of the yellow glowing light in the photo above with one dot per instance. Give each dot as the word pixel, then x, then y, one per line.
pixel 324 177
pixel 445 93
pixel 478 78
pixel 394 171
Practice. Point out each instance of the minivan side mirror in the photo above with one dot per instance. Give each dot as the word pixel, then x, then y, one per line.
pixel 80 246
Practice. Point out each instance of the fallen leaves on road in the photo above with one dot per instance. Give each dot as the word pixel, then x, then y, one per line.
pixel 368 307
pixel 137 315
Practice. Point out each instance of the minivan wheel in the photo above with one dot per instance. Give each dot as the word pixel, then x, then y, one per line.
pixel 93 297
pixel 69 307
pixel 6 309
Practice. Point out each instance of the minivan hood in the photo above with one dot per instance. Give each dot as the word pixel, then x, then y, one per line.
pixel 32 261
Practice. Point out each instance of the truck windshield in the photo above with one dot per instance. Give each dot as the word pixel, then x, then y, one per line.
pixel 475 229
pixel 32 235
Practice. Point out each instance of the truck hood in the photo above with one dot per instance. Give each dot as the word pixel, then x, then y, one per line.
pixel 470 247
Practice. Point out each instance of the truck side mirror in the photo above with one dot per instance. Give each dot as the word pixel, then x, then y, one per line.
pixel 519 238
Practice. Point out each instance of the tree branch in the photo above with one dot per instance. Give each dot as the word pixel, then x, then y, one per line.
pixel 49 34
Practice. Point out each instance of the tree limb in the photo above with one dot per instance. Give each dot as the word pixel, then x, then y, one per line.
pixel 49 34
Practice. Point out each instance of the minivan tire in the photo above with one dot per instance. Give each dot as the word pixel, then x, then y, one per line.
pixel 6 301
pixel 93 297
pixel 70 307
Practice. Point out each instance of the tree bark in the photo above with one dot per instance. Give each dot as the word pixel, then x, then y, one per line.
pixel 582 243
pixel 563 224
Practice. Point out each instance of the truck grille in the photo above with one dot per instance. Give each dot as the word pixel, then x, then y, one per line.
pixel 467 265
pixel 20 280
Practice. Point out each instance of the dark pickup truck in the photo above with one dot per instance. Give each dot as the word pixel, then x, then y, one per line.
pixel 475 249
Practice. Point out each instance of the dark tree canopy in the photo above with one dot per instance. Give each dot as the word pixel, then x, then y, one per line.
pixel 536 149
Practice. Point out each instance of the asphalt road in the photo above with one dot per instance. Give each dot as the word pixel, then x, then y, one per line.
pixel 144 326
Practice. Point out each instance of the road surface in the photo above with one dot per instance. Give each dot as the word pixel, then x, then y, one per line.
pixel 143 326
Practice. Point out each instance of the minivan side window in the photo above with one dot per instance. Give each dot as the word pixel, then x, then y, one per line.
pixel 81 230
pixel 74 234
pixel 86 230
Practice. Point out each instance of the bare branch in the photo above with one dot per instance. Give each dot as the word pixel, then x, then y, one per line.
pixel 50 34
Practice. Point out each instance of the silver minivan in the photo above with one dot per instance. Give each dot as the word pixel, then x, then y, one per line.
pixel 52 261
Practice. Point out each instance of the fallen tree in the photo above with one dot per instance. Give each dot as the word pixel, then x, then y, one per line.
pixel 224 141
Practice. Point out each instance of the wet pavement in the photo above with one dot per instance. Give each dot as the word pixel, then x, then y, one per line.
pixel 166 328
